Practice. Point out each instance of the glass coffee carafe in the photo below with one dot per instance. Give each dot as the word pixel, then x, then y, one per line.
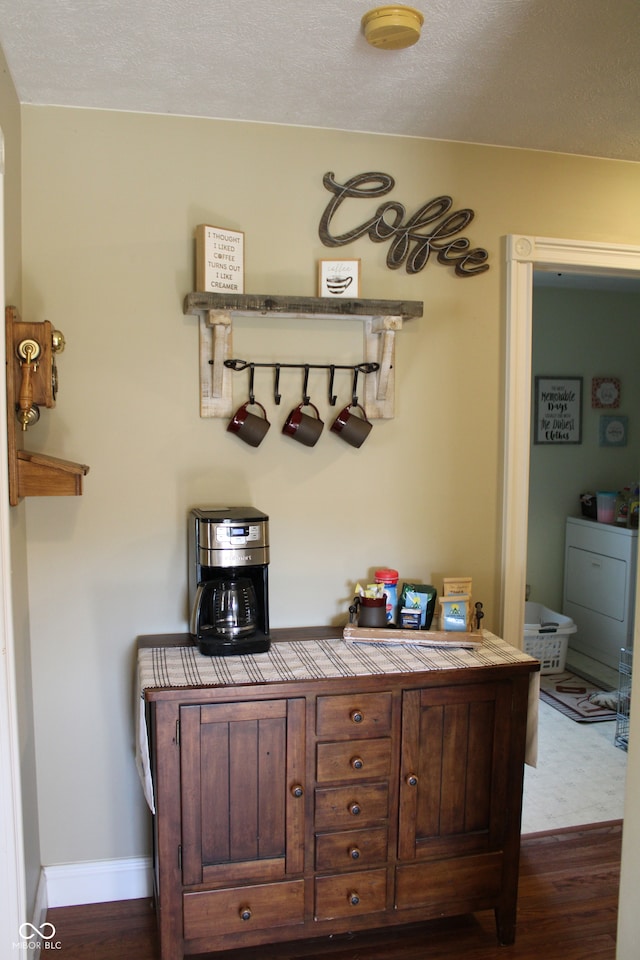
pixel 233 608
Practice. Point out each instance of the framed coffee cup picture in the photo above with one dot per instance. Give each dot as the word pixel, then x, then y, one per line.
pixel 339 278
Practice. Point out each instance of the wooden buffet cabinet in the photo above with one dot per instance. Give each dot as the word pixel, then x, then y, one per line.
pixel 299 807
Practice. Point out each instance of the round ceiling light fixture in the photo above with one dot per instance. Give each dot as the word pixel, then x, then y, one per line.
pixel 392 28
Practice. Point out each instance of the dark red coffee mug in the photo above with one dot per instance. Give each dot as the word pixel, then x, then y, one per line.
pixel 350 427
pixel 248 426
pixel 302 427
pixel 373 611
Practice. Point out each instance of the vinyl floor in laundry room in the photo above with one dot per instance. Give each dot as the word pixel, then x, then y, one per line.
pixel 580 776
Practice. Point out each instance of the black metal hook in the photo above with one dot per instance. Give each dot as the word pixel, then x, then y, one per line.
pixel 305 394
pixel 277 396
pixel 332 372
pixel 357 368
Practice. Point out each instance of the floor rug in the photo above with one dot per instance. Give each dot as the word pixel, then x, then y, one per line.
pixel 570 694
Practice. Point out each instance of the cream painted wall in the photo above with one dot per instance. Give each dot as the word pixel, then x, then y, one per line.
pixel 11 123
pixel 110 204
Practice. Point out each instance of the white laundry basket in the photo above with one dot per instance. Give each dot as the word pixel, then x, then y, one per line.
pixel 546 636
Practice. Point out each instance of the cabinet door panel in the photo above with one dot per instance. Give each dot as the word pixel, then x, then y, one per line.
pixel 429 739
pixel 214 783
pixel 452 785
pixel 271 810
pixel 237 780
pixel 479 765
pixel 256 815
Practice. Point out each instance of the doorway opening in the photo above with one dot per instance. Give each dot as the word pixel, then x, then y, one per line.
pixel 524 256
pixel 585 329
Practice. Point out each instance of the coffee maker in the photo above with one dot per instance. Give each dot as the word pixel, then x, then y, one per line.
pixel 228 580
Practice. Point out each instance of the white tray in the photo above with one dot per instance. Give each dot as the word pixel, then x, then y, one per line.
pixel 422 638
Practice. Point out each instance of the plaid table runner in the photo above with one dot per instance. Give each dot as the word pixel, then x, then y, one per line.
pixel 185 666
pixel 313 660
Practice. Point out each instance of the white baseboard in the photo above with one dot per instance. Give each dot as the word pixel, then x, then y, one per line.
pixel 97 881
pixel 41 903
pixel 38 919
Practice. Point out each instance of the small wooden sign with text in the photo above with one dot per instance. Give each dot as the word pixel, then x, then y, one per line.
pixel 219 260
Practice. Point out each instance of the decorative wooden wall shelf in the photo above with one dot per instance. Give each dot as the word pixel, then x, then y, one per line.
pixel 34 474
pixel 381 320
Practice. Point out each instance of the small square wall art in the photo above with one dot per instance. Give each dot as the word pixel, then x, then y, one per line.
pixel 613 431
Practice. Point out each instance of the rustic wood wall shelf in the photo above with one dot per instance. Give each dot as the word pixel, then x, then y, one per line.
pixel 34 474
pixel 381 320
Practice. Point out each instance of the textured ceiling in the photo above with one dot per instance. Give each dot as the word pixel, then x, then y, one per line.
pixel 560 75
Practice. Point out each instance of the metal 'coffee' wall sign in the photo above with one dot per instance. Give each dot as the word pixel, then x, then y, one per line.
pixel 431 229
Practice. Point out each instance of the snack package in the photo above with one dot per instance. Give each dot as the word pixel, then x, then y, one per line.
pixel 455 612
pixel 373 591
pixel 410 618
pixel 414 595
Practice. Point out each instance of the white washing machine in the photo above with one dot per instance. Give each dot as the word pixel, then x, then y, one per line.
pixel 600 587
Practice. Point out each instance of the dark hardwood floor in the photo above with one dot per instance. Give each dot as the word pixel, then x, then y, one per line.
pixel 568 899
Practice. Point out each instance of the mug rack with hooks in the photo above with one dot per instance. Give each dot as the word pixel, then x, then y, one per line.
pixel 381 319
pixel 357 368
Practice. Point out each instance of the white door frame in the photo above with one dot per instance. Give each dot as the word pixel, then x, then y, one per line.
pixel 523 256
pixel 12 871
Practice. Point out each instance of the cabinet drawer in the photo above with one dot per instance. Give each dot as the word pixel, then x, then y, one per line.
pixel 354 715
pixel 350 894
pixel 354 848
pixel 448 881
pixel 344 760
pixel 239 909
pixel 339 807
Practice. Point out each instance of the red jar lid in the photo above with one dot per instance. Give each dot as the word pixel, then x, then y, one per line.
pixel 385 575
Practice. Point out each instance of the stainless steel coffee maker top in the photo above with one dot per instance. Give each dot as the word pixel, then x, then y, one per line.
pixel 231 537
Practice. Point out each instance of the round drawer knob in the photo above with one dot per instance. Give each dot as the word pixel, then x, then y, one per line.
pixel 357 716
pixel 354 808
pixel 357 763
pixel 354 899
pixel 297 790
pixel 412 780
pixel 245 913
pixel 354 853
